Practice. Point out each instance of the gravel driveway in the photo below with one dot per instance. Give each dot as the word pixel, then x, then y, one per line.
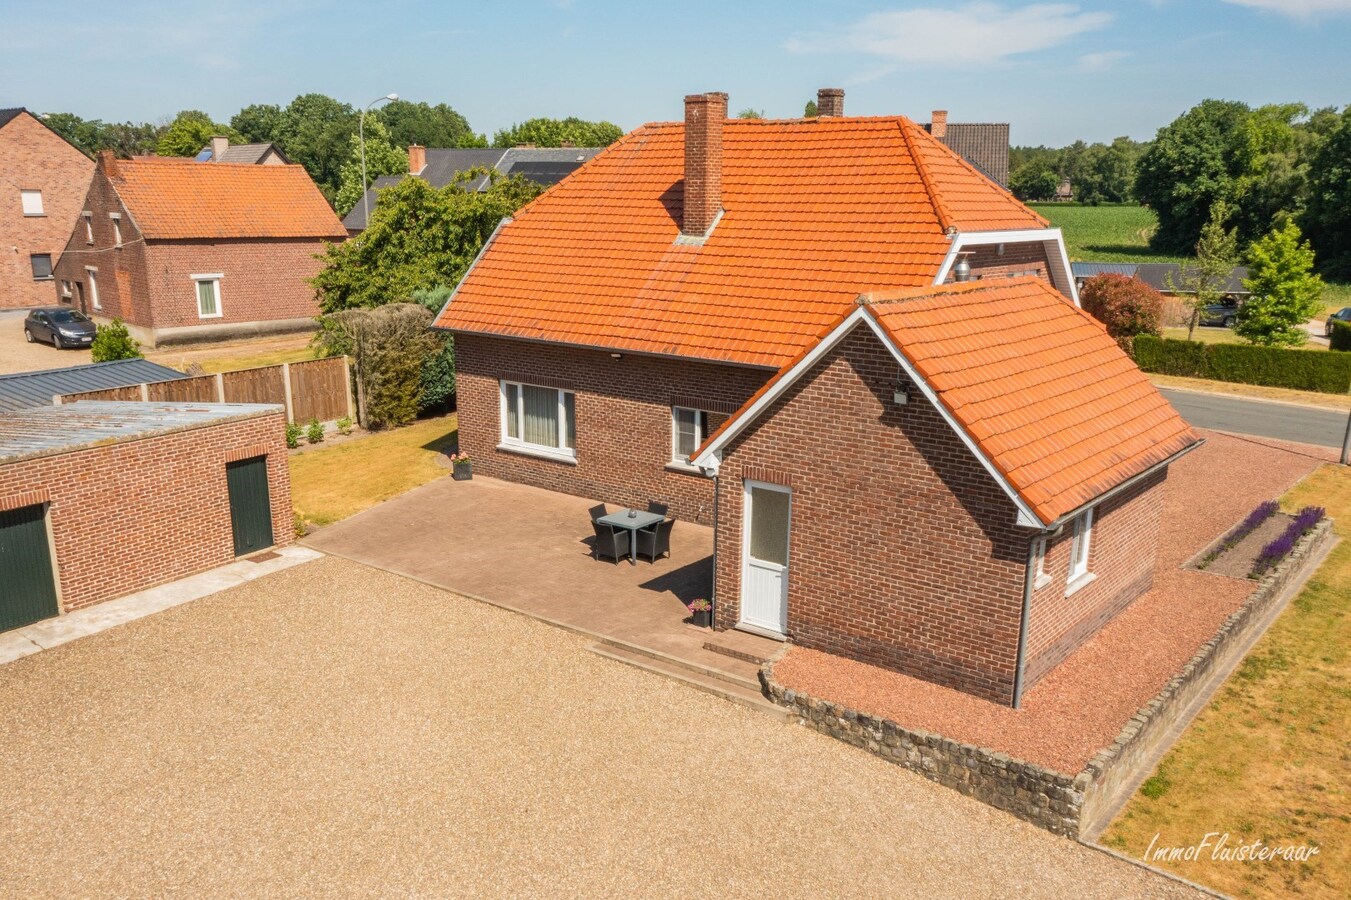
pixel 334 729
pixel 17 355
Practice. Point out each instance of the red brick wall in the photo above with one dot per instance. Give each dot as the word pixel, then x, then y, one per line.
pixel 904 552
pixel 623 410
pixel 32 157
pixel 131 515
pixel 1018 259
pixel 1120 554
pixel 146 283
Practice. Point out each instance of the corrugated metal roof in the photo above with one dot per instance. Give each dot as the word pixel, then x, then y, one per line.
pixel 1159 276
pixel 28 389
pixel 50 430
pixel 1090 269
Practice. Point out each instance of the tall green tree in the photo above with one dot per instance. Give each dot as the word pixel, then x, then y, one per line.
pixel 809 111
pixel 1191 165
pixel 1034 181
pixel 751 112
pixel 554 132
pixel 1327 217
pixel 259 123
pixel 1203 278
pixel 419 237
pixel 382 158
pixel 1285 292
pixel 430 126
pixel 190 131
pixel 316 131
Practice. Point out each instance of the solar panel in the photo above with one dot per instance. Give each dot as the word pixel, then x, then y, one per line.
pixel 545 173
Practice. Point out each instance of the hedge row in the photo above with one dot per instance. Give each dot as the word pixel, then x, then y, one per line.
pixel 1328 372
pixel 1341 335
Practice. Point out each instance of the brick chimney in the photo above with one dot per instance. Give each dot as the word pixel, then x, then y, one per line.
pixel 417 158
pixel 704 118
pixel 107 163
pixel 218 145
pixel 938 124
pixel 830 102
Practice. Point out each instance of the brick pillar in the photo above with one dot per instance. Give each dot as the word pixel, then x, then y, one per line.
pixel 417 158
pixel 704 118
pixel 830 102
pixel 938 125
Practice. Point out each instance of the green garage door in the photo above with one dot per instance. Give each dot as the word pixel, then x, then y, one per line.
pixel 27 583
pixel 250 504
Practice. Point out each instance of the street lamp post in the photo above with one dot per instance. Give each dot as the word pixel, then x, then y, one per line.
pixel 361 139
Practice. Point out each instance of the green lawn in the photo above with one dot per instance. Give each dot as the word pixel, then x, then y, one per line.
pixel 1105 233
pixel 1268 758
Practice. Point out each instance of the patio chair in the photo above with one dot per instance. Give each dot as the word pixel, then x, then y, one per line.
pixel 610 542
pixel 655 542
pixel 597 511
pixel 659 508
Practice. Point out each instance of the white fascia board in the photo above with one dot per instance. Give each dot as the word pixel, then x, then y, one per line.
pixel 1050 238
pixel 506 220
pixel 1026 517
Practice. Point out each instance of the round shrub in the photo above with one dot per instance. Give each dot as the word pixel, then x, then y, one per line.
pixel 1127 306
pixel 113 341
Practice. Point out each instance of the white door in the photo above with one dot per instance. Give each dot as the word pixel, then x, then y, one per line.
pixel 764 575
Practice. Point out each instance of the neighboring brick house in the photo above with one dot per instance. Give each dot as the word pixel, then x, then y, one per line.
pixel 618 320
pixel 983 144
pixel 43 179
pixel 102 499
pixel 182 251
pixel 221 150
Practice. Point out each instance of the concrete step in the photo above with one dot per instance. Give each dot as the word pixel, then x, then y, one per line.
pixel 699 662
pixel 728 686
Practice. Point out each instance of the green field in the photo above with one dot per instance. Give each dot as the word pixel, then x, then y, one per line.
pixel 1104 233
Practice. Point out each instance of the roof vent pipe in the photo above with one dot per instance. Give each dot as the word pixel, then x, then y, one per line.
pixel 962 271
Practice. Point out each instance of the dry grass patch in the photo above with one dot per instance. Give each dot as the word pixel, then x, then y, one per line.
pixel 1269 759
pixel 335 482
pixel 1261 392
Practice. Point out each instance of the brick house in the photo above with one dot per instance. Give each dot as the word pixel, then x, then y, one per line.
pixel 43 179
pixel 182 251
pixel 103 499
pixel 611 328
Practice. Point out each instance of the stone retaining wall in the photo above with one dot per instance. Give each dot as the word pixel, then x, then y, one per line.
pixel 1071 805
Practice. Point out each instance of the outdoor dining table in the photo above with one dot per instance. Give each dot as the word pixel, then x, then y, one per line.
pixel 634 521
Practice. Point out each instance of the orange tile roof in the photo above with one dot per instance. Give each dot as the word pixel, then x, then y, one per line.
pixel 816 211
pixel 181 198
pixel 1037 385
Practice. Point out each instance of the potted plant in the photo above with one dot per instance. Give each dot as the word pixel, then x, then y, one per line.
pixel 461 468
pixel 701 612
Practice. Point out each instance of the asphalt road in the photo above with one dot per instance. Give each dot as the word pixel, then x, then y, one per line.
pixel 1282 421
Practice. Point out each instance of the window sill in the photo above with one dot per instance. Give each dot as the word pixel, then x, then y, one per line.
pixel 213 316
pixel 1077 584
pixel 683 468
pixel 563 456
pixel 1041 582
pixel 44 278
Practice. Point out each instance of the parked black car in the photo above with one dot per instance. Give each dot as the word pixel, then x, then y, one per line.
pixel 60 327
pixel 1223 313
pixel 1341 315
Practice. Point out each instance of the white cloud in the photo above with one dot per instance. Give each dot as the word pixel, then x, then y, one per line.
pixel 1097 62
pixel 1298 9
pixel 971 34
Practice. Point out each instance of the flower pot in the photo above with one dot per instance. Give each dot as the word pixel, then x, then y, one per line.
pixel 463 471
pixel 701 618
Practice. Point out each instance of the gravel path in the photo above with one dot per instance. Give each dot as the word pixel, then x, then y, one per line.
pixel 1081 705
pixel 334 729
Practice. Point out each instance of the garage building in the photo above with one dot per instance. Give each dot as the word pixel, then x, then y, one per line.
pixel 103 499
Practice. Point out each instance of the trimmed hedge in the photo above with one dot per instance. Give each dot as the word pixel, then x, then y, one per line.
pixel 1328 372
pixel 1341 335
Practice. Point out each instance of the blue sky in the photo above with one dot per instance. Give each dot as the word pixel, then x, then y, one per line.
pixel 1055 71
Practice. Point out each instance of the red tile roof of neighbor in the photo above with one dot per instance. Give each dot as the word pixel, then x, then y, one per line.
pixel 181 198
pixel 1037 384
pixel 816 211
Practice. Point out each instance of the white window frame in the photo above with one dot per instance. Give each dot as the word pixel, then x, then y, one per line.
pixel 25 195
pixel 214 279
pixel 1040 578
pixel 701 434
pixel 88 227
pixel 1080 548
pixel 560 453
pixel 91 275
pixel 66 292
pixel 117 228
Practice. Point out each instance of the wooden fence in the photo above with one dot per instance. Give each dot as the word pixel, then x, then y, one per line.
pixel 314 389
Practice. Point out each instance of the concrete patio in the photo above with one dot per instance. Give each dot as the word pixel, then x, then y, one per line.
pixel 529 550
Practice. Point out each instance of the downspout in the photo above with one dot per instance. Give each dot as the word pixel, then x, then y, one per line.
pixel 1028 580
pixel 713 587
